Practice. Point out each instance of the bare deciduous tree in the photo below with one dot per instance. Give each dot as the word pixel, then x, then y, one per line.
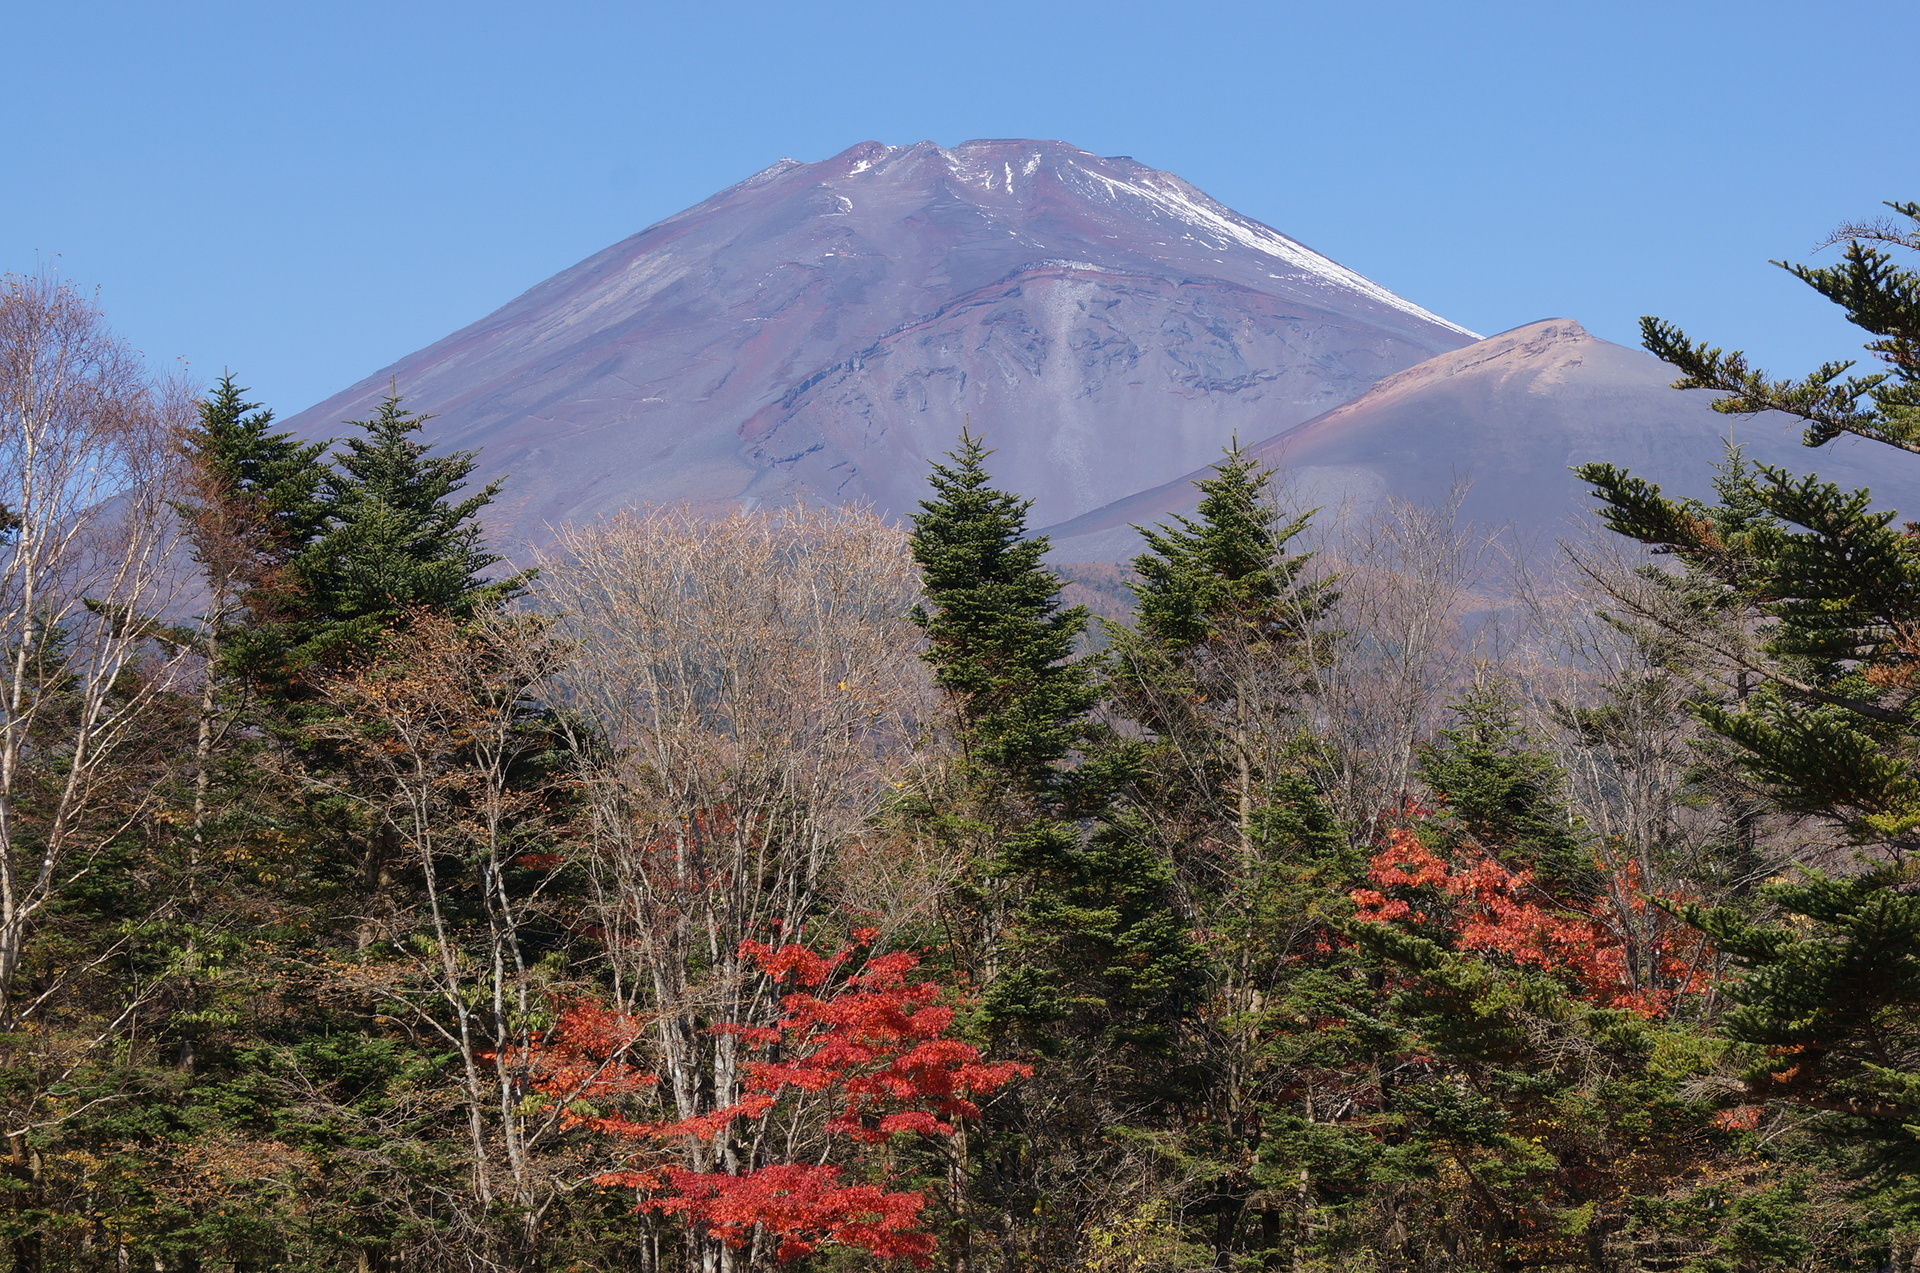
pixel 445 720
pixel 1612 661
pixel 1398 650
pixel 87 469
pixel 756 693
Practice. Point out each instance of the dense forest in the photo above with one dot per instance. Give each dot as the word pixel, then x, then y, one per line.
pixel 796 889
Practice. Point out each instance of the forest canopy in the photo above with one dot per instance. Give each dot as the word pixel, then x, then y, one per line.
pixel 800 889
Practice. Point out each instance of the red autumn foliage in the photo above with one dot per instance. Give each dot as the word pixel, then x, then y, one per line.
pixel 804 1205
pixel 588 1062
pixel 874 1041
pixel 1484 906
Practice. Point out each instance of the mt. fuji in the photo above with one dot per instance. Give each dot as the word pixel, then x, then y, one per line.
pixel 820 331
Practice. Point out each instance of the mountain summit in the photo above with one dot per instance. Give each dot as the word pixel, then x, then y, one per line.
pixel 822 330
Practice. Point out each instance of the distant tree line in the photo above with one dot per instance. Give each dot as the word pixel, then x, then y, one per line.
pixel 797 890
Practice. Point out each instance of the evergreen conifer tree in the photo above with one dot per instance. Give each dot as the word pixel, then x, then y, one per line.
pixel 395 539
pixel 1087 961
pixel 1213 672
pixel 1827 724
pixel 999 640
pixel 1226 569
pixel 322 558
pixel 1879 297
pixel 263 483
pixel 1090 924
pixel 1215 662
pixel 1506 793
pixel 255 501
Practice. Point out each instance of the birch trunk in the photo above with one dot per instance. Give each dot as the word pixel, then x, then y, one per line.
pixel 87 467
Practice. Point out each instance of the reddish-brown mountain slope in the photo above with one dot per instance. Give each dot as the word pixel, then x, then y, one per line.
pixel 1509 415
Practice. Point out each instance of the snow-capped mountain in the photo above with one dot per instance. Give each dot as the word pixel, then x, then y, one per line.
pixel 821 330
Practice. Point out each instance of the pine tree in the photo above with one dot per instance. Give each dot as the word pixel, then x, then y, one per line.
pixel 323 558
pixel 1215 663
pixel 1714 604
pixel 1546 1075
pixel 1828 1005
pixel 255 481
pixel 1288 1044
pixel 999 641
pixel 1091 922
pixel 1227 570
pixel 396 539
pixel 1213 672
pixel 1879 297
pixel 1507 794
pixel 1088 963
pixel 255 503
pixel 1084 909
pixel 1826 724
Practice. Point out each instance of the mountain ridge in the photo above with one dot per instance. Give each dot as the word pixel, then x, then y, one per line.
pixel 1509 416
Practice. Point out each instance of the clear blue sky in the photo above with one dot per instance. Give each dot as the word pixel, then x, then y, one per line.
pixel 303 190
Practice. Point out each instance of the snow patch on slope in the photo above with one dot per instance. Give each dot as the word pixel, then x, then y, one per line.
pixel 1224 227
pixel 988 164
